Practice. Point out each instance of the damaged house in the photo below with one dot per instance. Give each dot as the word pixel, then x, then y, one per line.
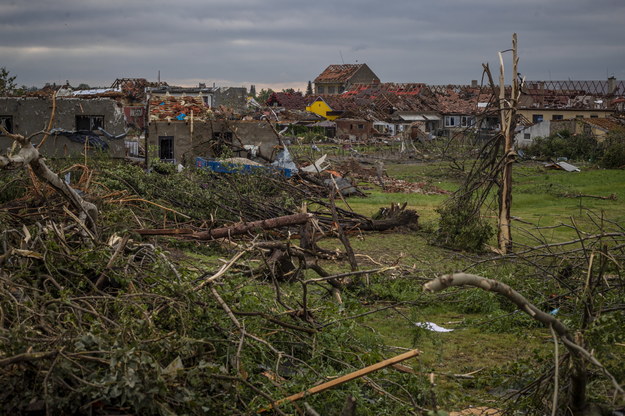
pixel 109 120
pixel 336 79
pixel 96 124
pixel 366 111
pixel 543 103
pixel 181 128
pixel 464 110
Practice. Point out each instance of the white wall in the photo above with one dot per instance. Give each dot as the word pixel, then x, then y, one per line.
pixel 521 139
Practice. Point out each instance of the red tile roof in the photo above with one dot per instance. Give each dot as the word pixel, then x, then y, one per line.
pixel 338 73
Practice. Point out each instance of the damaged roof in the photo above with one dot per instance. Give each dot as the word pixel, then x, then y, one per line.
pixel 606 124
pixel 170 108
pixel 454 99
pixel 380 101
pixel 338 73
pixel 288 100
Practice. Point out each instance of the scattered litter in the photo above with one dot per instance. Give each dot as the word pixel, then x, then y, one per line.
pixel 562 166
pixel 345 186
pixel 284 160
pixel 252 149
pixel 431 326
pixel 317 166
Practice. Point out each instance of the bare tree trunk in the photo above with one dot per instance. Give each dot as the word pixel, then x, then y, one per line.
pixel 507 110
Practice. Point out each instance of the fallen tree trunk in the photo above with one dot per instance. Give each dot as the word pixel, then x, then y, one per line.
pixel 577 398
pixel 395 216
pixel 237 229
pixel 243 228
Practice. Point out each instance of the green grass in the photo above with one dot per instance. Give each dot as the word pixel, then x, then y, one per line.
pixel 539 196
pixel 496 339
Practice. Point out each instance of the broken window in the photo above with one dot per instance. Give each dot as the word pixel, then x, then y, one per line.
pixel 89 123
pixel 7 123
pixel 223 135
pixel 166 147
pixel 467 121
pixel 537 118
pixel 452 121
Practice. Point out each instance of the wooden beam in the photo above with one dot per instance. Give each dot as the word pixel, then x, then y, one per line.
pixel 343 379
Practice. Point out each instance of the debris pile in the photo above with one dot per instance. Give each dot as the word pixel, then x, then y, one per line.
pixel 105 321
pixel 391 185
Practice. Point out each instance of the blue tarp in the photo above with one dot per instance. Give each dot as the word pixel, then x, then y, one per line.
pixel 224 167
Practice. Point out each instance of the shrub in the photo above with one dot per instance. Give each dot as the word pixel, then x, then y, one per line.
pixel 461 228
pixel 565 144
pixel 613 152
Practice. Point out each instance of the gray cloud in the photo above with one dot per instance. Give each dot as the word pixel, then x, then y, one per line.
pixel 288 42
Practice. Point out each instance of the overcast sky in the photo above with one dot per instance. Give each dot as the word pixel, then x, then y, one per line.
pixel 285 43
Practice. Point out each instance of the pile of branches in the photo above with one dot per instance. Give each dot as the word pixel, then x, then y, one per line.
pixel 96 319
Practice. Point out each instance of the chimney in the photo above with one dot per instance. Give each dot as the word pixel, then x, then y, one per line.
pixel 474 83
pixel 611 85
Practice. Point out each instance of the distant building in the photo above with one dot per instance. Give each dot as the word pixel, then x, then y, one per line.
pixel 338 78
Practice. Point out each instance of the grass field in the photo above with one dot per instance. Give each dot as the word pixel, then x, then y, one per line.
pixel 541 197
pixel 490 340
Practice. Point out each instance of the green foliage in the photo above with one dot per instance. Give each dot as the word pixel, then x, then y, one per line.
pixel 200 194
pixel 462 228
pixel 264 95
pixel 565 144
pixel 613 151
pixel 7 82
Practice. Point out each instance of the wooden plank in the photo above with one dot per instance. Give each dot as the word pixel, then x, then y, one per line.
pixel 343 379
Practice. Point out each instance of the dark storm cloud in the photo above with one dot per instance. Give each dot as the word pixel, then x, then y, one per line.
pixel 288 42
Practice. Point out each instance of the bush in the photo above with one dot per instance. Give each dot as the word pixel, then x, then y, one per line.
pixel 565 144
pixel 613 152
pixel 461 228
